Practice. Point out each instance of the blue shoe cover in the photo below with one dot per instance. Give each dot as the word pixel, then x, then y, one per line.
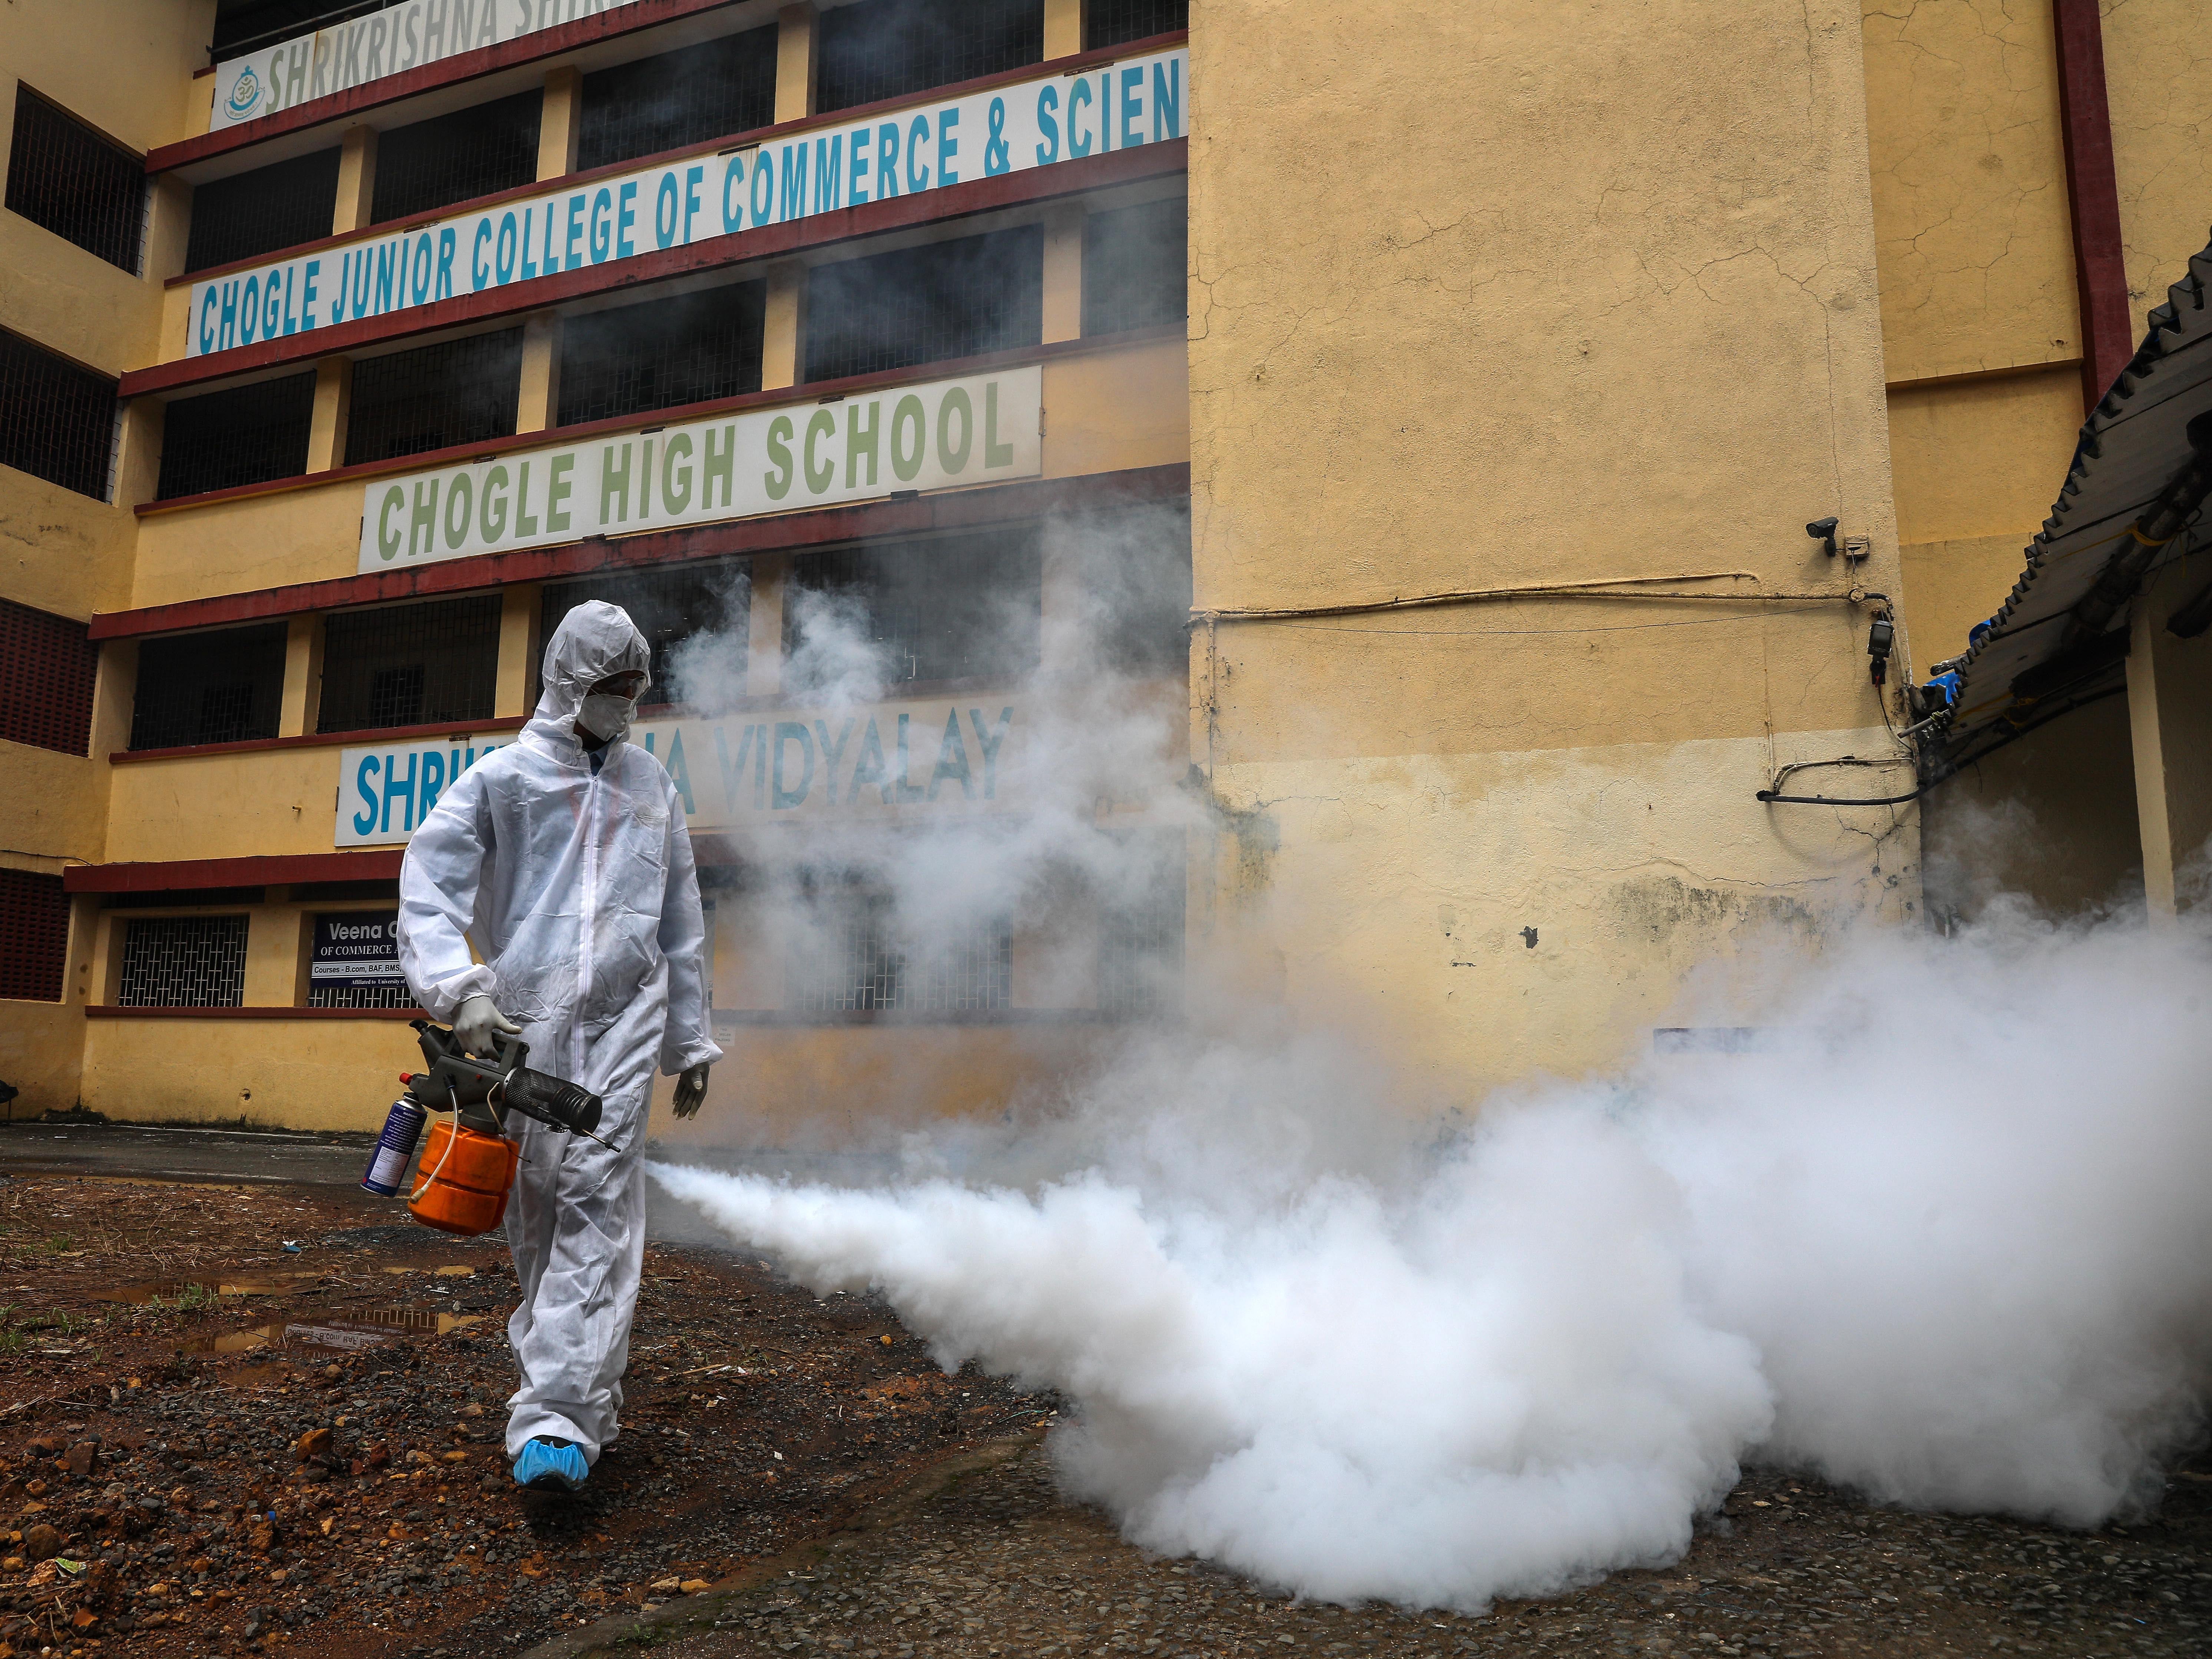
pixel 550 1465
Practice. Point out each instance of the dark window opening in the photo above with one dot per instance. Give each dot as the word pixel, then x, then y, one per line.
pixel 694 618
pixel 925 304
pixel 249 23
pixel 250 213
pixel 662 354
pixel 223 687
pixel 1133 267
pixel 78 184
pixel 34 936
pixel 1141 937
pixel 1133 566
pixel 457 157
pixel 888 48
pixel 183 961
pixel 185 899
pixel 57 420
pixel 248 434
pixel 955 608
pixel 1116 22
pixel 48 665
pixel 854 955
pixel 459 392
pixel 685 97
pixel 410 665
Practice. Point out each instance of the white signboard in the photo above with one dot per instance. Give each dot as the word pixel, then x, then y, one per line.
pixel 1137 101
pixel 388 42
pixel 976 430
pixel 931 756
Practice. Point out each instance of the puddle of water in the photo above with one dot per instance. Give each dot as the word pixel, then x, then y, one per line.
pixel 345 1335
pixel 168 1290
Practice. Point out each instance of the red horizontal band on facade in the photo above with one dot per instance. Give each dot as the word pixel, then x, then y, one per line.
pixel 429 78
pixel 954 509
pixel 1026 188
pixel 318 740
pixel 812 392
pixel 109 1010
pixel 1072 64
pixel 181 875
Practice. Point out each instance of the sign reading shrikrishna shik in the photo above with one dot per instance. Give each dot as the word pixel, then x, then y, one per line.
pixel 740 770
pixel 977 430
pixel 907 152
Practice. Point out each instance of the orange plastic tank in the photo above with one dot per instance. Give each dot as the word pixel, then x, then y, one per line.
pixel 464 1178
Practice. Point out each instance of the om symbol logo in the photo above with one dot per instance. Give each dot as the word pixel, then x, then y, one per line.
pixel 244 94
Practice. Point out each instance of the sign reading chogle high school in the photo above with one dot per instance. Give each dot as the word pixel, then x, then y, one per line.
pixel 1122 105
pixel 977 430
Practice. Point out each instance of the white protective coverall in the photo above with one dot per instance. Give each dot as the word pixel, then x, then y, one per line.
pixel 581 896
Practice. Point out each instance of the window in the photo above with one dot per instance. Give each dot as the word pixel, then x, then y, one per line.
pixel 955 608
pixel 250 213
pixel 245 24
pixel 34 936
pixel 47 667
pixel 1133 267
pixel 855 958
pixel 924 305
pixel 410 665
pixel 887 48
pixel 459 392
pixel 457 157
pixel 1115 22
pixel 183 961
pixel 694 618
pixel 78 184
pixel 1140 936
pixel 707 91
pixel 57 420
pixel 661 354
pixel 245 436
pixel 222 687
pixel 1134 564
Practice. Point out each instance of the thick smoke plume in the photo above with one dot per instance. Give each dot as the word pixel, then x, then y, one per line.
pixel 1948 1243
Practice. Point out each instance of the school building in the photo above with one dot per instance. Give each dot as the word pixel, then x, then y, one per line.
pixel 1543 458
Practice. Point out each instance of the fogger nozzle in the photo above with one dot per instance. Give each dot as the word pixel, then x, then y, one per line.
pixel 487 1090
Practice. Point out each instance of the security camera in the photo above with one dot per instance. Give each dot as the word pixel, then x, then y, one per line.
pixel 1824 531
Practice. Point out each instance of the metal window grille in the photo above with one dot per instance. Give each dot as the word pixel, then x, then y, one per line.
pixel 360 996
pixel 79 183
pixel 1115 22
pixel 183 961
pixel 459 392
pixel 48 665
pixel 248 434
pixel 694 618
pixel 662 354
pixel 410 665
pixel 249 214
pixel 1141 937
pixel 945 609
pixel 34 914
pixel 1133 267
pixel 454 158
pixel 888 48
pixel 222 687
pixel 857 959
pixel 923 305
pixel 708 91
pixel 57 420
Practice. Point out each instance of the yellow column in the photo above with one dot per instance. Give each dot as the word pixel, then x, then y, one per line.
pixel 558 126
pixel 1063 27
pixel 540 402
pixel 1063 273
pixel 2170 720
pixel 357 179
pixel 797 33
pixel 518 631
pixel 303 675
pixel 764 627
pixel 138 458
pixel 326 430
pixel 783 326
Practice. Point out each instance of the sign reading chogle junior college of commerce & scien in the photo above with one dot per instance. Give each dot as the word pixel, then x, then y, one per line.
pixel 905 152
pixel 802 765
pixel 388 42
pixel 976 430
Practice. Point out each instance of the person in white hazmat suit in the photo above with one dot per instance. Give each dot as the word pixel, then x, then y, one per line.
pixel 565 858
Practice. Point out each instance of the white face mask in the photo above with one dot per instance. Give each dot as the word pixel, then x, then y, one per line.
pixel 607 716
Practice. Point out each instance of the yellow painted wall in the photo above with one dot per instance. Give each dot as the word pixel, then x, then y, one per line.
pixel 257 803
pixel 1983 458
pixel 1952 585
pixel 2158 74
pixel 298 1074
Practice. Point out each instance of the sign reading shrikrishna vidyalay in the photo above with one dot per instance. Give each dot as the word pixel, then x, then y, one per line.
pixel 1063 118
pixel 803 765
pixel 364 49
pixel 976 430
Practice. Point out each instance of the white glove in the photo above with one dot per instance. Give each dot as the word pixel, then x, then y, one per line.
pixel 474 1022
pixel 690 1090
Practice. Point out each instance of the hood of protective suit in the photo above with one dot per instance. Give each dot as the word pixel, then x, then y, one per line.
pixel 593 641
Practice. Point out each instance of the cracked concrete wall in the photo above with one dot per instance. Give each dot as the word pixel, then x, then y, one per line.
pixel 2158 73
pixel 1491 295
